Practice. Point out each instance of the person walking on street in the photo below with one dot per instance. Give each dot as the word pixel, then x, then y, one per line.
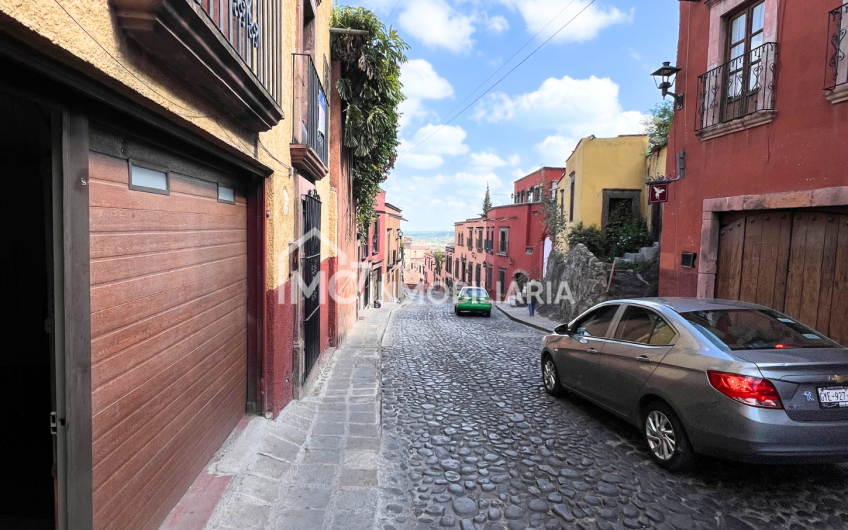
pixel 534 292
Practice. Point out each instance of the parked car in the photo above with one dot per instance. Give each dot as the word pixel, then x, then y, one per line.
pixel 699 376
pixel 474 300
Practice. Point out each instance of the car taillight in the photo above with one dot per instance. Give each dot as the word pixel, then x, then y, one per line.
pixel 745 389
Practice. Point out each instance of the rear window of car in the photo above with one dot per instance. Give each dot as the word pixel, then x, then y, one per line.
pixel 476 293
pixel 755 329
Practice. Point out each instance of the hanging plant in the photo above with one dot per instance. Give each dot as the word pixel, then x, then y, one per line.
pixel 370 91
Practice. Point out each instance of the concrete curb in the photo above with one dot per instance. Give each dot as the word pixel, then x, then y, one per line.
pixel 528 324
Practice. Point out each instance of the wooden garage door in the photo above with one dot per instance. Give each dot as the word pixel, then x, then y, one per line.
pixel 795 262
pixel 169 330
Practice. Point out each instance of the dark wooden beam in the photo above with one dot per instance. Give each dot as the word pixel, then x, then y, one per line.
pixel 77 319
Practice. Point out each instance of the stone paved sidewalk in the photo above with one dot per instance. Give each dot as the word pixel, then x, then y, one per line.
pixel 315 466
pixel 522 315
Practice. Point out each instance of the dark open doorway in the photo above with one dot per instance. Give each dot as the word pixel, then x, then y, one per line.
pixel 27 395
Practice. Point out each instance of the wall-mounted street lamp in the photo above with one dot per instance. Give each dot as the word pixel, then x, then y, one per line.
pixel 664 78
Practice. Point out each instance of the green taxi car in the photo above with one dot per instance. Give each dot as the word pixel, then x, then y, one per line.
pixel 474 300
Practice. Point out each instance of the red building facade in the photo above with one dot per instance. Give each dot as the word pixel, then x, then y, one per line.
pixel 469 255
pixel 372 256
pixel 507 246
pixel 515 234
pixel 760 212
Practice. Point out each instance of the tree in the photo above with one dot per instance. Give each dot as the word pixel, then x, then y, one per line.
pixel 657 124
pixel 554 220
pixel 439 258
pixel 487 201
pixel 370 91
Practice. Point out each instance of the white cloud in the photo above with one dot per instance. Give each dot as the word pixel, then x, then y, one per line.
pixel 438 25
pixel 454 196
pixel 420 81
pixel 474 184
pixel 578 107
pixel 430 154
pixel 486 160
pixel 515 159
pixel 555 150
pixel 537 14
pixel 495 24
pixel 570 108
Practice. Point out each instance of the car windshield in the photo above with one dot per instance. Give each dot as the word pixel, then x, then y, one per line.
pixel 755 329
pixel 474 293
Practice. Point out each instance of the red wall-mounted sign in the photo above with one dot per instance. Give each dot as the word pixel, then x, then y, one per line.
pixel 657 193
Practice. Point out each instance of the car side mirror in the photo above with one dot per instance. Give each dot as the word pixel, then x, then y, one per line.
pixel 562 329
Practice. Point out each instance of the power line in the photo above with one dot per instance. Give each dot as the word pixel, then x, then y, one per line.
pixel 506 62
pixel 392 12
pixel 499 80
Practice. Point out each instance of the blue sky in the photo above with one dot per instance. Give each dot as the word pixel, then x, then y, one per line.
pixel 592 78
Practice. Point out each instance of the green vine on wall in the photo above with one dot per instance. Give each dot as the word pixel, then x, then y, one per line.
pixel 370 91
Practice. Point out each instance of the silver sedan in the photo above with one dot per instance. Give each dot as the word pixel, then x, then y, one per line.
pixel 728 379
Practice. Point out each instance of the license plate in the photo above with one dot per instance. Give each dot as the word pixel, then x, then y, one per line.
pixel 475 302
pixel 832 397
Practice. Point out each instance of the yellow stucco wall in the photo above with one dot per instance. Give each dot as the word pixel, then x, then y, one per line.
pixel 88 30
pixel 605 163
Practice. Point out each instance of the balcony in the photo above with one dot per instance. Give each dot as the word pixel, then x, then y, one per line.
pixel 836 66
pixel 227 49
pixel 737 95
pixel 309 119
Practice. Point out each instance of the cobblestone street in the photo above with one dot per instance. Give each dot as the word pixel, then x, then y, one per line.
pixel 470 440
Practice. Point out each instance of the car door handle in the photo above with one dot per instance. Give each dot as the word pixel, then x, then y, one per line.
pixel 592 350
pixel 644 359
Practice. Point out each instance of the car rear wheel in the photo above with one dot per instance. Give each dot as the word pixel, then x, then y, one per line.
pixel 488 313
pixel 550 377
pixel 667 442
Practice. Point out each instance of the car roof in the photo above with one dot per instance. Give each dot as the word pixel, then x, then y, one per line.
pixel 683 305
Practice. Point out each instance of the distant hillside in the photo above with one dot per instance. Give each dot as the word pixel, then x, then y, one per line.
pixel 437 239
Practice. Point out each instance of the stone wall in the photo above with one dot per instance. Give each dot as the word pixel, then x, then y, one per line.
pixel 583 273
pixel 586 277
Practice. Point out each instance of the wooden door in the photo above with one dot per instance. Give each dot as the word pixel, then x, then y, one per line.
pixel 765 255
pixel 817 290
pixel 795 262
pixel 731 242
pixel 169 337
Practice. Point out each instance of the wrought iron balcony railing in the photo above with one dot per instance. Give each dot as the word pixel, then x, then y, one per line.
pixel 836 70
pixel 740 87
pixel 310 122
